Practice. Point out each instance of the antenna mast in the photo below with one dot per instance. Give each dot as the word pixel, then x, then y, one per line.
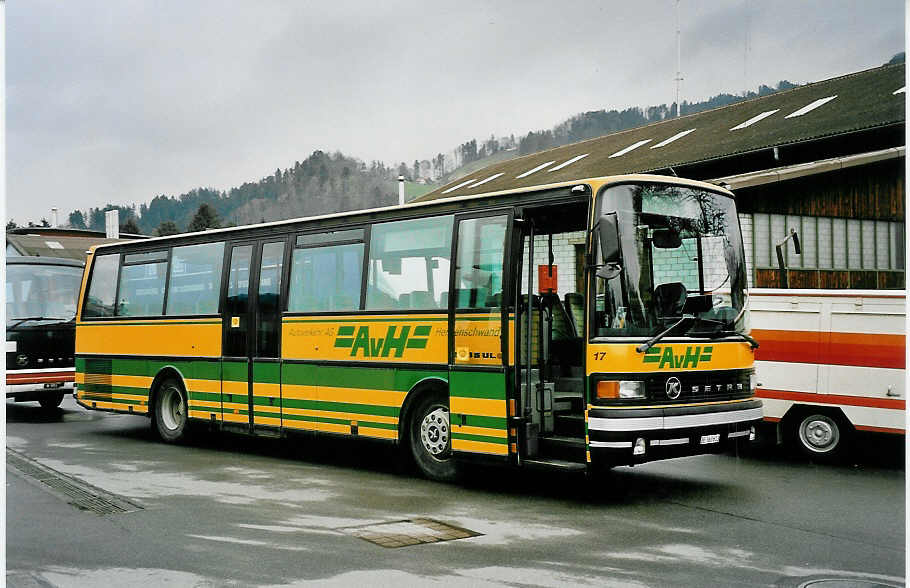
pixel 678 77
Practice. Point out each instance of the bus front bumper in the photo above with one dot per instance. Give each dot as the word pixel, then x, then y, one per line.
pixel 619 436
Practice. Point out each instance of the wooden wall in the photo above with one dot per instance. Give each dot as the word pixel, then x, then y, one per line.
pixel 832 279
pixel 874 191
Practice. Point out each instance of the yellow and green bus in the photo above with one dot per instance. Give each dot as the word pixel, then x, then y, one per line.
pixel 443 326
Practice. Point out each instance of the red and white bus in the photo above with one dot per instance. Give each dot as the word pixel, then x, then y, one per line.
pixel 830 362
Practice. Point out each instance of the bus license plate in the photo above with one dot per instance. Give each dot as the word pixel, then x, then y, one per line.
pixel 708 439
pixel 53 385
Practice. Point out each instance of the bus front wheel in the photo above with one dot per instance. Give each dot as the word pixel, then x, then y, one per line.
pixel 170 412
pixel 430 438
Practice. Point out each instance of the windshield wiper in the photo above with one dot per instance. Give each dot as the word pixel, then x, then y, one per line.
pixel 653 340
pixel 752 342
pixel 19 321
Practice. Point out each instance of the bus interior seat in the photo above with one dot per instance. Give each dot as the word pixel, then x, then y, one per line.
pixel 568 351
pixel 470 297
pixel 562 325
pixel 670 299
pixel 494 300
pixel 575 305
pixel 422 299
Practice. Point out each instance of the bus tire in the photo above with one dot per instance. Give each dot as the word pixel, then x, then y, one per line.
pixel 51 401
pixel 171 412
pixel 430 437
pixel 819 435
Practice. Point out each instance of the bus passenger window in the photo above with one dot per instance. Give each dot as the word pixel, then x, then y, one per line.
pixel 409 264
pixel 195 282
pixel 478 271
pixel 142 289
pixel 103 286
pixel 326 279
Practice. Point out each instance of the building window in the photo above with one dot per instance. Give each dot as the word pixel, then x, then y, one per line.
pixel 830 243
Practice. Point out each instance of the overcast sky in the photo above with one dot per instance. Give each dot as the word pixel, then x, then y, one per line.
pixel 121 101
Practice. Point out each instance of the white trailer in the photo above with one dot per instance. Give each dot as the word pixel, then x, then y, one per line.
pixel 830 362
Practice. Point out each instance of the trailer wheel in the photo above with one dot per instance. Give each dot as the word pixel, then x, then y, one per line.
pixel 430 438
pixel 51 401
pixel 170 412
pixel 821 436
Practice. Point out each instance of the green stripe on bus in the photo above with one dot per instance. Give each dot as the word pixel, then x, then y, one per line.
pixel 195 369
pixel 314 419
pixel 485 421
pixel 103 398
pixel 109 389
pixel 235 371
pixel 347 407
pixel 422 331
pixel 356 377
pixel 478 385
pixel 267 372
pixel 481 438
pixel 346 331
pixel 207 396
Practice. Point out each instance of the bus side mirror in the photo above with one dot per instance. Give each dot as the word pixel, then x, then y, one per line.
pixel 608 236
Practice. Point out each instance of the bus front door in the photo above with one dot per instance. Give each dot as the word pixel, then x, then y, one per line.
pixel 477 376
pixel 250 387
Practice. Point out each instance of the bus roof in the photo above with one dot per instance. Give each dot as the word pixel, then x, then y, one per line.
pixel 429 204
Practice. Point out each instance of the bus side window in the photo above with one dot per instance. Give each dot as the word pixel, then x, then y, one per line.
pixel 195 281
pixel 325 279
pixel 478 270
pixel 99 301
pixel 409 264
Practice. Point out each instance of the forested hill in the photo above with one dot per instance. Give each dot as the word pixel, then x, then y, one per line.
pixel 325 183
pixel 320 184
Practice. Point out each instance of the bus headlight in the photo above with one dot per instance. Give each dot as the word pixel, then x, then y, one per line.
pixel 631 389
pixel 620 389
pixel 753 381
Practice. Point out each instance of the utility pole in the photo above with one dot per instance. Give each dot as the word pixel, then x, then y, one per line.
pixel 678 77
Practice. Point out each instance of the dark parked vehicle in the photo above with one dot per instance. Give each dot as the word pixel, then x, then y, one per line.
pixel 41 295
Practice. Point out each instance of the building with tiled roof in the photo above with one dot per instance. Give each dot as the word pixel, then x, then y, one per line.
pixel 825 158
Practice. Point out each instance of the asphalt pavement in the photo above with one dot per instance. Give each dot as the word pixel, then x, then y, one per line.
pixel 95 499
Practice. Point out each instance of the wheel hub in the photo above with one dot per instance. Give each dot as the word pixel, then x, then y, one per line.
pixel 173 412
pixel 819 434
pixel 434 431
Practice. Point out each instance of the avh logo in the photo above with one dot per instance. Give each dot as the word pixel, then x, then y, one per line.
pixel 396 339
pixel 665 358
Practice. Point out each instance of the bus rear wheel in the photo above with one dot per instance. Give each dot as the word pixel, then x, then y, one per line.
pixel 51 401
pixel 819 435
pixel 430 438
pixel 171 412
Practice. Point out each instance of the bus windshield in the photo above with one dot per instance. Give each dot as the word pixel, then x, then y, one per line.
pixel 681 256
pixel 41 292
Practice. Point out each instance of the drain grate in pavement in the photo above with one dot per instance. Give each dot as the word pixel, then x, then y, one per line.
pixel 409 532
pixel 77 493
